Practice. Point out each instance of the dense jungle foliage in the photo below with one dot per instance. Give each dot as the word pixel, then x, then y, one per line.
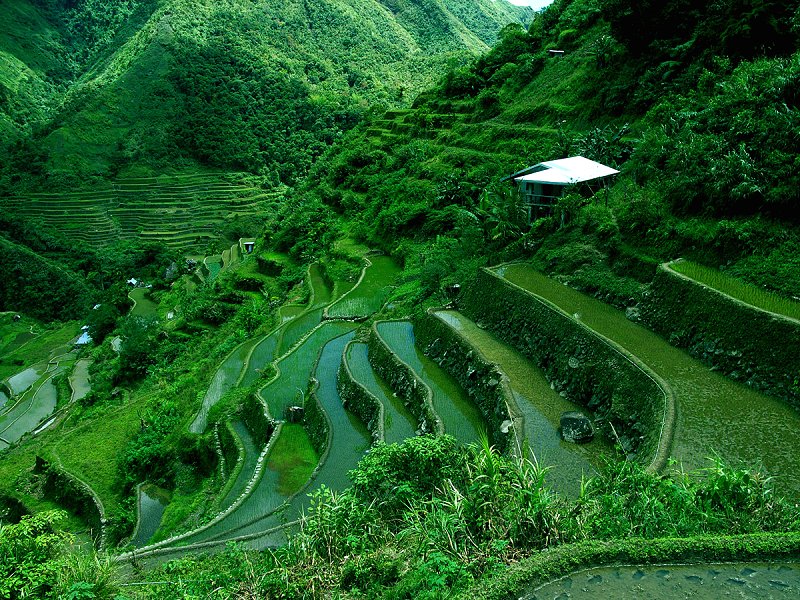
pixel 697 106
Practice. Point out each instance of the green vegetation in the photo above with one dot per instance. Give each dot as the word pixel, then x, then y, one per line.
pixel 738 289
pixel 370 292
pixel 136 132
pixel 293 457
pixel 428 519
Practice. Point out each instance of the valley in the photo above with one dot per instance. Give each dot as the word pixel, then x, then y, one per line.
pixel 282 318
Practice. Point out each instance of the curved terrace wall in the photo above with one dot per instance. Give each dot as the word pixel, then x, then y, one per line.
pixel 359 400
pixel 316 423
pixel 73 494
pixel 588 368
pixel 748 344
pixel 481 379
pixel 401 378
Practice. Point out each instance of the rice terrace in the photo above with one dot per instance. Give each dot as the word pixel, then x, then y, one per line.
pixel 399 299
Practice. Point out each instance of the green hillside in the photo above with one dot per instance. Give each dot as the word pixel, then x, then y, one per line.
pixel 295 222
pixel 259 86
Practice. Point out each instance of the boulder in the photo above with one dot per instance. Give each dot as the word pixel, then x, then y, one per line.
pixel 576 427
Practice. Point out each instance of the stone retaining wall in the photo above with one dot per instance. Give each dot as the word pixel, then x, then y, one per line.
pixel 587 368
pixel 75 495
pixel 401 378
pixel 756 347
pixel 481 379
pixel 357 399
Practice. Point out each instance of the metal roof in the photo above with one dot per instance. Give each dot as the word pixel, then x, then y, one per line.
pixel 566 171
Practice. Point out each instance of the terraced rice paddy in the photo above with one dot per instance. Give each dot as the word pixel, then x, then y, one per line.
pixel 292 458
pixel 736 288
pixel 369 294
pixel 349 438
pixel 182 211
pixel 541 408
pixel 150 510
pixel 285 469
pixel 28 412
pixel 262 355
pixel 142 305
pixel 79 379
pixel 459 415
pixel 399 423
pixel 224 379
pixel 300 327
pixel 714 414
pixel 247 466
pixel 295 369
pixel 22 381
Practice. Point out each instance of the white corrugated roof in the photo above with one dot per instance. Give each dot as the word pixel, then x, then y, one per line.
pixel 566 171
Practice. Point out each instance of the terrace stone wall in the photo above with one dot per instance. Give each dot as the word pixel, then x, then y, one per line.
pixel 256 419
pixel 481 379
pixel 750 345
pixel 74 495
pixel 417 396
pixel 316 423
pixel 585 367
pixel 357 399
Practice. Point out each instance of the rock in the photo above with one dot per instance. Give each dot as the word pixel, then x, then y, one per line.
pixel 505 426
pixel 632 313
pixel 576 427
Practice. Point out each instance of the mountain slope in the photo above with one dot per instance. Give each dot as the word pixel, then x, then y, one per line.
pixel 178 81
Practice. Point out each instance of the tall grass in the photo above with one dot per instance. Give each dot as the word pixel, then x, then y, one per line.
pixel 738 289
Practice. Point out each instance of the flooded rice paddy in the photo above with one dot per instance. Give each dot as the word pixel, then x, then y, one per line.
pixel 399 423
pixel 714 413
pixel 748 581
pixel 541 408
pixel 459 414
pixel 152 503
pixel 369 294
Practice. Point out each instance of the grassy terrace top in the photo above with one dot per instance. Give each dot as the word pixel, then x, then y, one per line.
pixel 738 289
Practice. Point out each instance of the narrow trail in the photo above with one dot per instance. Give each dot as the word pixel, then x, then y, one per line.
pixel 714 413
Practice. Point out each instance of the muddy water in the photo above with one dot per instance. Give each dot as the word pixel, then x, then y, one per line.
pixel 152 504
pixel 399 423
pixel 751 581
pixel 541 409
pixel 714 413
pixel 459 415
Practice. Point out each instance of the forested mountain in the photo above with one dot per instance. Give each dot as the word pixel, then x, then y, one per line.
pixel 376 139
pixel 93 87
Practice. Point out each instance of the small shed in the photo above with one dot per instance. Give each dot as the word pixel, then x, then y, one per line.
pixel 541 185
